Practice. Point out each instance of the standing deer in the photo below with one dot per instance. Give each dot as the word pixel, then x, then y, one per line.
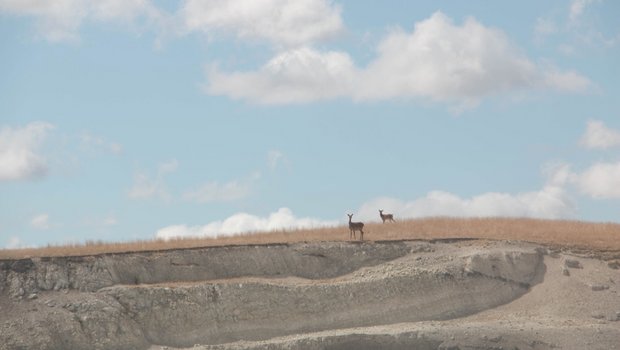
pixel 384 217
pixel 355 226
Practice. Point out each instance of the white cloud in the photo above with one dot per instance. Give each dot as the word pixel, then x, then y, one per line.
pixel 216 192
pixel 550 202
pixel 145 186
pixel 599 136
pixel 439 60
pixel 601 180
pixel 60 20
pixel 281 22
pixel 299 75
pixel 569 81
pixel 243 223
pixel 558 174
pixel 40 222
pixel 446 62
pixel 20 156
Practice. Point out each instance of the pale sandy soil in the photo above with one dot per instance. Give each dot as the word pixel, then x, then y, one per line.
pixel 438 294
pixel 570 308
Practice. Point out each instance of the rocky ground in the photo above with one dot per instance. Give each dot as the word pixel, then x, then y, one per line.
pixel 464 294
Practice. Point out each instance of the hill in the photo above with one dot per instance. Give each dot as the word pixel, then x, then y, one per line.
pixel 451 284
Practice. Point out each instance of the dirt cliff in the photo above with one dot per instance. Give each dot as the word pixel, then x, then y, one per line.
pixel 337 295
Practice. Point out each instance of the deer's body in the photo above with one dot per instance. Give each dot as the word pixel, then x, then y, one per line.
pixel 386 217
pixel 355 226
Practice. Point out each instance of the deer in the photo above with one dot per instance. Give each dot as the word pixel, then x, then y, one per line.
pixel 355 226
pixel 384 217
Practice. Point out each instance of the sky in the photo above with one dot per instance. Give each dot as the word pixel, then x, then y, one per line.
pixel 140 119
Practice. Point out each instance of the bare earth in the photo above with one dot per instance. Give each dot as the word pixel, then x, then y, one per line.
pixel 578 311
pixel 439 294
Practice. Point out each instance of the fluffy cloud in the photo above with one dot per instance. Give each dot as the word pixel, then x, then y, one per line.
pixel 145 186
pixel 243 223
pixel 444 61
pixel 20 156
pixel 598 136
pixel 601 180
pixel 438 60
pixel 216 192
pixel 550 202
pixel 569 81
pixel 300 75
pixel 40 222
pixel 59 20
pixel 281 22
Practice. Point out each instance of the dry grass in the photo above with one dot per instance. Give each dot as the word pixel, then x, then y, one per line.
pixel 598 236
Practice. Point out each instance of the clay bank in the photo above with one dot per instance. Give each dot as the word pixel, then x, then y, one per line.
pixel 336 295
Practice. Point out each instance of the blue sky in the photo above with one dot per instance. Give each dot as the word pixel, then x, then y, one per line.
pixel 124 120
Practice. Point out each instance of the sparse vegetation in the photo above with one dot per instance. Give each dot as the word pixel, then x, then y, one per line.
pixel 600 236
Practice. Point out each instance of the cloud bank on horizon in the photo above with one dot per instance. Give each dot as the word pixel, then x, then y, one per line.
pixel 556 200
pixel 282 219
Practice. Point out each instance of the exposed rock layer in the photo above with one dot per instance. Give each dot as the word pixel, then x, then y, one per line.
pixel 254 293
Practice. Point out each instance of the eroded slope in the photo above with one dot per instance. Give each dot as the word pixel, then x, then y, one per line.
pixel 220 295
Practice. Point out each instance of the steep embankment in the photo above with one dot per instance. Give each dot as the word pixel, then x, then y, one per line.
pixel 576 306
pixel 220 295
pixel 91 273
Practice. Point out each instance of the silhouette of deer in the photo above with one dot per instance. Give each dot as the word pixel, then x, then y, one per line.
pixel 384 217
pixel 355 226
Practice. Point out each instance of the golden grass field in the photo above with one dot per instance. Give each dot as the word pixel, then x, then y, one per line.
pixel 575 234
